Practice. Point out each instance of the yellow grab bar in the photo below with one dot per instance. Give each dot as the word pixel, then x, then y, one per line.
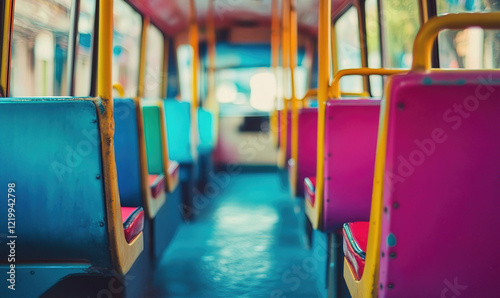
pixel 314 212
pixel 309 94
pixel 424 40
pixel 119 88
pixel 334 89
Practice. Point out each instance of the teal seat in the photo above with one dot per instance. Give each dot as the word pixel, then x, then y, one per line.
pixel 153 138
pixel 178 118
pixel 206 128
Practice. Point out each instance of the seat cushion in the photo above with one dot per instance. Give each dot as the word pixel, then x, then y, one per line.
pixel 310 189
pixel 355 240
pixel 156 184
pixel 133 221
pixel 173 168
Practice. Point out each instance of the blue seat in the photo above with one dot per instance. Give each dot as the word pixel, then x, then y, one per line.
pixel 51 150
pixel 127 152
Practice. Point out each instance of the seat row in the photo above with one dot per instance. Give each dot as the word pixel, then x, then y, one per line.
pixel 406 185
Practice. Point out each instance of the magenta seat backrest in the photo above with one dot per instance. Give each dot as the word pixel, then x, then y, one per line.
pixel 441 193
pixel 288 135
pixel 351 128
pixel 308 144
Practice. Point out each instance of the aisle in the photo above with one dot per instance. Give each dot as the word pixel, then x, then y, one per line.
pixel 244 243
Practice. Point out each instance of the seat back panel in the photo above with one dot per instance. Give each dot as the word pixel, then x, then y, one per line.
pixel 51 150
pixel 350 146
pixel 206 130
pixel 308 144
pixel 153 138
pixel 178 118
pixel 442 186
pixel 127 152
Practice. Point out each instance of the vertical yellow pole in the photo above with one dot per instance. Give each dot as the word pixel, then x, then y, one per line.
pixel 285 58
pixel 212 103
pixel 324 36
pixel 105 101
pixel 275 44
pixel 142 58
pixel 295 103
pixel 6 46
pixel 193 41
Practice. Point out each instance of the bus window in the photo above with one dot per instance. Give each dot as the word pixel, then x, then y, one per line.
pixel 400 23
pixel 243 91
pixel 126 46
pixel 471 48
pixel 154 63
pixel 184 60
pixel 348 49
pixel 83 65
pixel 39 62
pixel 373 45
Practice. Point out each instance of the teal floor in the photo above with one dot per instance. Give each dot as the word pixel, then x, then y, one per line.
pixel 245 242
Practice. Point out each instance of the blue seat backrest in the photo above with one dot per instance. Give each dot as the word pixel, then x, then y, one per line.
pixel 127 152
pixel 51 150
pixel 206 130
pixel 178 117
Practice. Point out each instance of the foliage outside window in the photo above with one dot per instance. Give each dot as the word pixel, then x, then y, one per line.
pixel 400 23
pixel 469 48
pixel 348 49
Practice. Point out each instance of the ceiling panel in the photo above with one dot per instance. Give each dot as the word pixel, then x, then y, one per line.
pixel 172 16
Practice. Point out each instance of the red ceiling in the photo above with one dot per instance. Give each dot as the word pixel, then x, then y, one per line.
pixel 172 16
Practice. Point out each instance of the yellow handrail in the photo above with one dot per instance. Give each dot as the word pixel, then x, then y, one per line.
pixel 123 254
pixel 294 152
pixel 314 213
pixel 364 71
pixel 275 45
pixel 285 59
pixel 424 40
pixel 193 41
pixel 6 47
pixel 119 88
pixel 310 93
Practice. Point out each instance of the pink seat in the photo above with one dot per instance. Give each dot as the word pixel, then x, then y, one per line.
pixel 288 135
pixel 310 189
pixel 441 189
pixel 133 222
pixel 355 236
pixel 308 142
pixel 156 184
pixel 350 145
